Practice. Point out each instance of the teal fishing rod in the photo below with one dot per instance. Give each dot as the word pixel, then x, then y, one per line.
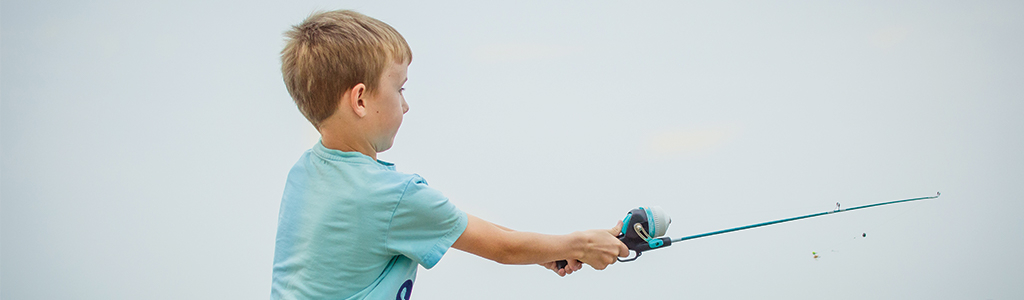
pixel 837 210
pixel 643 227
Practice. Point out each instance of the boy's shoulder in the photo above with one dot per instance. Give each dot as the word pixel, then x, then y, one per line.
pixel 327 178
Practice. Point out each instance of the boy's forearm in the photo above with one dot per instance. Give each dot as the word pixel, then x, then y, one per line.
pixel 535 248
pixel 507 246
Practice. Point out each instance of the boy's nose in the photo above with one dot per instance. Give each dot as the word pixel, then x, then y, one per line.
pixel 405 107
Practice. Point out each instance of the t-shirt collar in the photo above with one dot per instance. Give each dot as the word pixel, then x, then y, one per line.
pixel 352 156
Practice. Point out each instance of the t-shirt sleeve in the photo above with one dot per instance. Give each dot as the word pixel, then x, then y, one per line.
pixel 424 225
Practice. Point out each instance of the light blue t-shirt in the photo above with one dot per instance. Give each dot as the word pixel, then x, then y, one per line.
pixel 351 227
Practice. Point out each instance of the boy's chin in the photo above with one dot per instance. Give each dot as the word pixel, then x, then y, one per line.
pixel 385 146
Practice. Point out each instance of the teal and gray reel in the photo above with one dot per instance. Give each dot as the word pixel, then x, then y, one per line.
pixel 641 231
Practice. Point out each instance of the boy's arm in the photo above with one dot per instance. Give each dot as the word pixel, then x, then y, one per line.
pixel 597 248
pixel 571 266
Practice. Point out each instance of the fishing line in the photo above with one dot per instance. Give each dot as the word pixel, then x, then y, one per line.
pixel 841 245
pixel 861 234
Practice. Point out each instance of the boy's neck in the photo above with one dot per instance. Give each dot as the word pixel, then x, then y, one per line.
pixel 339 141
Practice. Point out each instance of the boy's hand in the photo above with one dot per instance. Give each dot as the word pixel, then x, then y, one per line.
pixel 601 248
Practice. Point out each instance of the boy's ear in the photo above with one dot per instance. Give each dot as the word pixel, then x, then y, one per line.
pixel 355 99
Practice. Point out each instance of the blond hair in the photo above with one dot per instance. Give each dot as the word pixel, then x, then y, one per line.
pixel 331 52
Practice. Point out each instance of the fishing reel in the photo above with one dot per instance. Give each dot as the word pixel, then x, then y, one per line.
pixel 641 231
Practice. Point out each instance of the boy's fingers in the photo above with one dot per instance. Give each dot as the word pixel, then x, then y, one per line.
pixel 551 266
pixel 574 265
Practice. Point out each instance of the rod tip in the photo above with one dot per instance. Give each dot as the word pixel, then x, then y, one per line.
pixel 937 194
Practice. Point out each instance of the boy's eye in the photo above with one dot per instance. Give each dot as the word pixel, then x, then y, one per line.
pixel 401 90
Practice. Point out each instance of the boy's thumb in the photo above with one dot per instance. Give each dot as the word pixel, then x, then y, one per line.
pixel 617 229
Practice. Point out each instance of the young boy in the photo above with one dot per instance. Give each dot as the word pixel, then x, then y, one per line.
pixel 350 226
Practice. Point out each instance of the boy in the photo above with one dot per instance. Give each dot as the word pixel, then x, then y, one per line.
pixel 350 226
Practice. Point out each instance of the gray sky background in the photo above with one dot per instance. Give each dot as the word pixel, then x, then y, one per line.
pixel 145 144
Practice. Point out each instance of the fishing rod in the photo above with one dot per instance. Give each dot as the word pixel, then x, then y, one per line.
pixel 649 223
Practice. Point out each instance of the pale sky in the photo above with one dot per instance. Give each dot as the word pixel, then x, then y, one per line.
pixel 144 145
